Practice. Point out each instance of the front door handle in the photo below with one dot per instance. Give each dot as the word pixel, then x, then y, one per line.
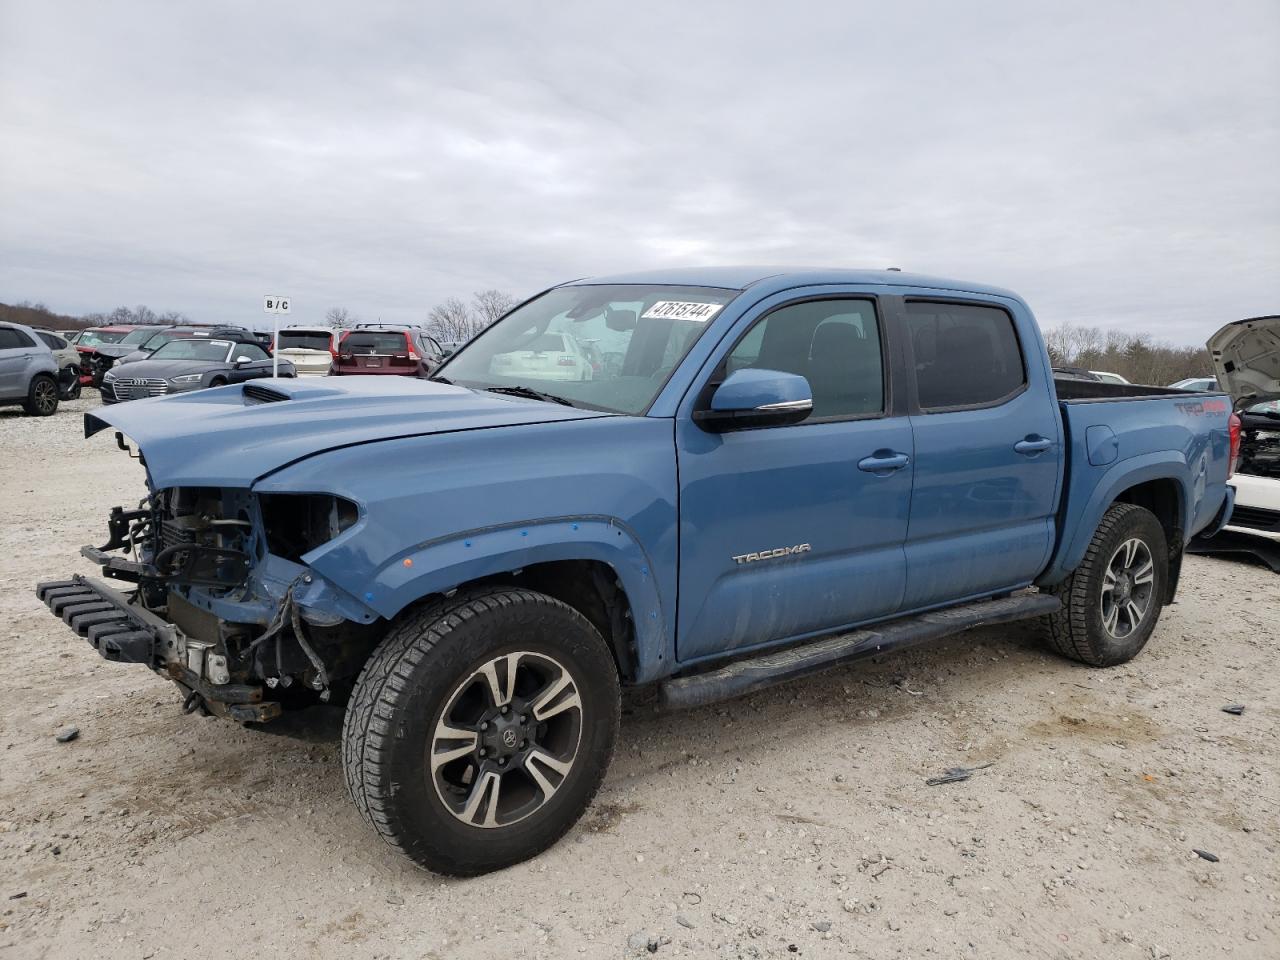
pixel 1032 445
pixel 883 462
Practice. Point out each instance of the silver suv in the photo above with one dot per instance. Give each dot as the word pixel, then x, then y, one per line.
pixel 28 372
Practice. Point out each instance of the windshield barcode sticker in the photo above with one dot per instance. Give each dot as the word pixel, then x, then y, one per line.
pixel 681 310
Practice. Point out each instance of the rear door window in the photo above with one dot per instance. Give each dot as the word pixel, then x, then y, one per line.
pixel 966 355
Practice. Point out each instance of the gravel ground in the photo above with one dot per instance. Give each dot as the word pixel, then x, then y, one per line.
pixel 796 822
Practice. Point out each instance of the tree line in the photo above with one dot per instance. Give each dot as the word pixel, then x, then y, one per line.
pixel 38 315
pixel 1138 357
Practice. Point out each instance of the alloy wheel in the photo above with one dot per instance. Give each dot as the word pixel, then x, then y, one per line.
pixel 44 396
pixel 506 739
pixel 1128 586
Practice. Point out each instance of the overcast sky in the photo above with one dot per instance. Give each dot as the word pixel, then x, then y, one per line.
pixel 1116 163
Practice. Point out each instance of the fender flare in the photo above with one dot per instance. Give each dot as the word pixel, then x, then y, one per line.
pixel 440 565
pixel 1163 465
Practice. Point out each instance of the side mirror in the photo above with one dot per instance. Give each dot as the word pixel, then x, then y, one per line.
pixel 756 398
pixel 241 361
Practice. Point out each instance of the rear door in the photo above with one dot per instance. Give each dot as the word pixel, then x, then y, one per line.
pixel 988 447
pixel 788 531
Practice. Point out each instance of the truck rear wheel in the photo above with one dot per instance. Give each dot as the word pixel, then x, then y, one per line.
pixel 1111 602
pixel 481 728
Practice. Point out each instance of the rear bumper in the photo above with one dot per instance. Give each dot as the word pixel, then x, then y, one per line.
pixel 124 632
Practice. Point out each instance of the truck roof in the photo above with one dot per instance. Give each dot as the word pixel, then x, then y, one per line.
pixel 780 278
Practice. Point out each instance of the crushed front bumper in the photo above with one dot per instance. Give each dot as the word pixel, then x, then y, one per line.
pixel 124 632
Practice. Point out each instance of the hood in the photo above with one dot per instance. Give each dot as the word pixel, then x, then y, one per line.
pixel 232 436
pixel 1246 358
pixel 115 350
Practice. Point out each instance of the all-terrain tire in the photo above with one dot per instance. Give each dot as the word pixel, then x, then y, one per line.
pixel 42 396
pixel 413 681
pixel 1081 629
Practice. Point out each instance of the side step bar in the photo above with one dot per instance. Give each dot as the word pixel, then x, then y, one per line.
pixel 745 676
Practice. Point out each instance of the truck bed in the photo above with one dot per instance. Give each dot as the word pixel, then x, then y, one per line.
pixel 1117 436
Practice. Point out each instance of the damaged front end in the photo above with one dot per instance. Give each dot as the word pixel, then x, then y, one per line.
pixel 217 597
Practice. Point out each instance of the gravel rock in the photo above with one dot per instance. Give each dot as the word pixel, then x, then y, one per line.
pixel 67 734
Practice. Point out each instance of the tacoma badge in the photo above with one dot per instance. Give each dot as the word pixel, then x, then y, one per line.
pixel 772 554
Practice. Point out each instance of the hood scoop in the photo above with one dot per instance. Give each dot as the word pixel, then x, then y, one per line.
pixel 256 393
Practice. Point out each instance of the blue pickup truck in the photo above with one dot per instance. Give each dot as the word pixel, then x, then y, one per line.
pixel 709 480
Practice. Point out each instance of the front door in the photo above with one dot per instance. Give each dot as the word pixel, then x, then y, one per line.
pixel 794 530
pixel 987 448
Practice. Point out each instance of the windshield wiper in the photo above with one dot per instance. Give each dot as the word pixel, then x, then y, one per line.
pixel 522 391
pixel 445 380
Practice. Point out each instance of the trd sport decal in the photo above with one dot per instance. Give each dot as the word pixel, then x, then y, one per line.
pixel 772 554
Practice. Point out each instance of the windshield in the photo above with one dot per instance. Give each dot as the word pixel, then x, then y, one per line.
pixel 606 347
pixel 305 340
pixel 209 351
pixel 138 336
pixel 91 337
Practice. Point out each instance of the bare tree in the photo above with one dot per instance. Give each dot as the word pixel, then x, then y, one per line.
pixel 452 320
pixel 340 318
pixel 489 305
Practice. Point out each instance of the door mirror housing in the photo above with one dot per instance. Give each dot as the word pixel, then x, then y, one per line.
pixel 241 361
pixel 756 398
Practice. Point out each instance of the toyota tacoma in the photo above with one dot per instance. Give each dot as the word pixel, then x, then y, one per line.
pixel 781 471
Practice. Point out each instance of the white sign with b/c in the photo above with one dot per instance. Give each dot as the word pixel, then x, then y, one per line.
pixel 274 304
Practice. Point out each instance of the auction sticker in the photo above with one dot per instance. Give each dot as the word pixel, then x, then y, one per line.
pixel 681 310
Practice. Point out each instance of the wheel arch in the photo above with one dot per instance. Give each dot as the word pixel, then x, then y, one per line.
pixel 1158 482
pixel 594 564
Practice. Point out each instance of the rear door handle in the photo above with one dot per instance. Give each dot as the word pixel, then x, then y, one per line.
pixel 883 462
pixel 1033 445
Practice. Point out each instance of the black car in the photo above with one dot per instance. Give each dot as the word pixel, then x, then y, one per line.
pixel 180 366
pixel 141 349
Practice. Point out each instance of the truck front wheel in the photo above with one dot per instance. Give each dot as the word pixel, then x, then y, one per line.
pixel 481 728
pixel 1111 602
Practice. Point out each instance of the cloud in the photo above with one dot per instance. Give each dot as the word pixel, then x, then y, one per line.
pixel 1113 163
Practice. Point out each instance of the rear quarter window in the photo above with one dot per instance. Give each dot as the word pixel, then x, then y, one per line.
pixel 966 355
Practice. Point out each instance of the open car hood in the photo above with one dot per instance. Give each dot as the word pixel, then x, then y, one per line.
pixel 1246 358
pixel 232 436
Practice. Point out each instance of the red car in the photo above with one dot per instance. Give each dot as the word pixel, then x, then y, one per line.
pixel 91 370
pixel 385 349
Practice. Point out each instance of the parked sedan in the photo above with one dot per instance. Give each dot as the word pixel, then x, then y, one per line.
pixel 163 335
pixel 180 366
pixel 1197 385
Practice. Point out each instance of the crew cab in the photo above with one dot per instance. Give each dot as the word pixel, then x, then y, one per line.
pixel 780 471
